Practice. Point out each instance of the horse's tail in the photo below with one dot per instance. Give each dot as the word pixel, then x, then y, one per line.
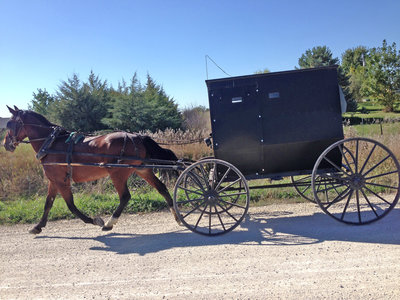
pixel 154 151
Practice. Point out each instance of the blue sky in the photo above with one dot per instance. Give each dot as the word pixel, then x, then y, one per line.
pixel 44 42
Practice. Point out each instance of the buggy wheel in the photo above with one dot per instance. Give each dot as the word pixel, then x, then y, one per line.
pixel 356 181
pixel 211 197
pixel 302 184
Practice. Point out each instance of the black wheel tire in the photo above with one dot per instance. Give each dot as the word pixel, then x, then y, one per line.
pixel 356 181
pixel 211 197
pixel 303 186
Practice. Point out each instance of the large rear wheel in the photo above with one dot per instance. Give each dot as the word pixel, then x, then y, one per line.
pixel 356 181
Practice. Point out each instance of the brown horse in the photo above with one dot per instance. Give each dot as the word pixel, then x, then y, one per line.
pixel 61 164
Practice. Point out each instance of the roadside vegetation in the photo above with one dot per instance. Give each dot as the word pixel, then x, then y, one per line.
pixel 370 79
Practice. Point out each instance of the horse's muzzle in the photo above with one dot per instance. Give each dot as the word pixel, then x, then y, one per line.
pixel 9 144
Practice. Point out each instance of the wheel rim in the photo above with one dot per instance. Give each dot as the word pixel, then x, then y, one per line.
pixel 362 183
pixel 211 197
pixel 302 184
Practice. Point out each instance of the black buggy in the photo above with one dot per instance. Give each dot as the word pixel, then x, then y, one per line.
pixel 278 126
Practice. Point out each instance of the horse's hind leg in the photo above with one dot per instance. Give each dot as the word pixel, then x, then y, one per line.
pixel 65 191
pixel 51 195
pixel 119 180
pixel 148 175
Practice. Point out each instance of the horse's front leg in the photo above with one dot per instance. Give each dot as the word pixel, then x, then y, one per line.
pixel 51 195
pixel 66 193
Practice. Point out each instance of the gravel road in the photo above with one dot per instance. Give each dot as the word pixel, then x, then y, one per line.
pixel 281 251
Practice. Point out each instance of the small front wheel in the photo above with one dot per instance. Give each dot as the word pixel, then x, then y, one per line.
pixel 211 197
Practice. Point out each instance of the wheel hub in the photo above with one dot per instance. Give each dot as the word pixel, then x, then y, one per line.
pixel 357 181
pixel 211 197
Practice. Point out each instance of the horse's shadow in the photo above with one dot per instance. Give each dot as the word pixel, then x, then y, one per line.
pixel 279 228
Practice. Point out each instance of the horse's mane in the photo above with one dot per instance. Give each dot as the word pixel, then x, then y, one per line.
pixel 39 117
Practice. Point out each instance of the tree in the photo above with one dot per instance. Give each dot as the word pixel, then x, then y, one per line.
pixel 353 64
pixel 383 80
pixel 321 56
pixel 164 110
pixel 263 71
pixel 41 102
pixel 354 58
pixel 82 105
pixel 137 108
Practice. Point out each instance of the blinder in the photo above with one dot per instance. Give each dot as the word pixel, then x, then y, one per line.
pixel 14 127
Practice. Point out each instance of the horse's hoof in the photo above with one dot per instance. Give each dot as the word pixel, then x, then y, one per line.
pixel 35 230
pixel 106 228
pixel 98 221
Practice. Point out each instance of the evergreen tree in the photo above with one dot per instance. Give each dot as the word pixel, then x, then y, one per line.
pixel 41 102
pixel 137 108
pixel 82 106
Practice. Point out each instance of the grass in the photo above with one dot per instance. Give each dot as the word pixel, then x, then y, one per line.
pixel 373 110
pixel 30 210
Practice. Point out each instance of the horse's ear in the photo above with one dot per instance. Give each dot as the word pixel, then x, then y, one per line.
pixel 14 112
pixel 16 108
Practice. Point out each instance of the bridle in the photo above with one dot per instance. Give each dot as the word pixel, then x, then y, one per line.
pixel 17 130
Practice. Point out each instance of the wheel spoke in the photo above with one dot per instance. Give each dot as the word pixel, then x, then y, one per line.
pixel 307 187
pixel 190 191
pixel 330 188
pixel 380 175
pixel 196 180
pixel 201 215
pixel 230 184
pixel 219 217
pixel 223 178
pixel 375 194
pixel 345 158
pixel 189 201
pixel 230 203
pixel 195 208
pixel 204 174
pixel 236 220
pixel 378 164
pixel 347 204
pixel 209 220
pixel 369 203
pixel 333 164
pixel 339 197
pixel 356 160
pixel 358 206
pixel 230 195
pixel 368 157
pixel 382 185
pixel 214 178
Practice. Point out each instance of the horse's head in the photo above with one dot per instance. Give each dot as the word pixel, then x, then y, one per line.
pixel 16 131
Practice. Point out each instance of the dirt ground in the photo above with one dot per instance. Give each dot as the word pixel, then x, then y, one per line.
pixel 282 251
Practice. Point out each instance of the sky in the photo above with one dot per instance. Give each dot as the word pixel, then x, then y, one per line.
pixel 43 43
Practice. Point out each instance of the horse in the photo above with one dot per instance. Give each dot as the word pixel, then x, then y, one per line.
pixel 92 158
